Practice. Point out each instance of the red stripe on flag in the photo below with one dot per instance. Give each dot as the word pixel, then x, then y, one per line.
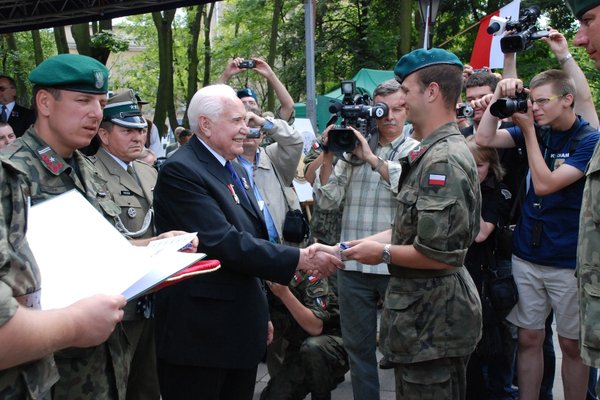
pixel 480 57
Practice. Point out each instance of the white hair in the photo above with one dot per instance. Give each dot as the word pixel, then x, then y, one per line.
pixel 208 102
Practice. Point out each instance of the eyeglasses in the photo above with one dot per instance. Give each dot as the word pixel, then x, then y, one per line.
pixel 545 100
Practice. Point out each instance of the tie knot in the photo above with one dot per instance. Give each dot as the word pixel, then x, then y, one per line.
pixel 130 170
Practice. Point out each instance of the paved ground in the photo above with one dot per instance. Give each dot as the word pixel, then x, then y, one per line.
pixel 386 380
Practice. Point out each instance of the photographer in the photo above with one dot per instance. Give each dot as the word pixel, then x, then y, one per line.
pixel 556 41
pixel 237 65
pixel 369 188
pixel 271 169
pixel 559 145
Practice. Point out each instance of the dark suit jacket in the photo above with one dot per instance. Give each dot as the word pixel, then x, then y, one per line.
pixel 21 119
pixel 218 319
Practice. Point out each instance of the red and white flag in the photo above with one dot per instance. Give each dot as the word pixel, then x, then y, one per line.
pixel 486 51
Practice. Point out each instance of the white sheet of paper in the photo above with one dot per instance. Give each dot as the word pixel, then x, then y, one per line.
pixel 304 190
pixel 81 254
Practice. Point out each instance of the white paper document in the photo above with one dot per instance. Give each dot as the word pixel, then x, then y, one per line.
pixel 81 254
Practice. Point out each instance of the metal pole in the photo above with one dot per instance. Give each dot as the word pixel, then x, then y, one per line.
pixel 309 36
pixel 426 34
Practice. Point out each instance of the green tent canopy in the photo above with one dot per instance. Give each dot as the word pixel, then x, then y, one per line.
pixel 366 81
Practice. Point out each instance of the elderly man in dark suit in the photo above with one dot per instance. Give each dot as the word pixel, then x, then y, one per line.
pixel 212 331
pixel 19 117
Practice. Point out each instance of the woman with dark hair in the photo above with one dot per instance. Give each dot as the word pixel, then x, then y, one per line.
pixel 490 368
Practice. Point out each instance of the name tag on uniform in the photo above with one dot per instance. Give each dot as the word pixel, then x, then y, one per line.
pixel 126 193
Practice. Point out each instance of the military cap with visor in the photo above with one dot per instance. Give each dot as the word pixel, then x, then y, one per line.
pixel 73 72
pixel 580 7
pixel 122 109
pixel 422 58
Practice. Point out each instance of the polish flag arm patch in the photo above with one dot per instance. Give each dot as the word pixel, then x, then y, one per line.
pixel 437 180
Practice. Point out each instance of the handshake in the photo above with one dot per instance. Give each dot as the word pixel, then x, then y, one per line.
pixel 321 260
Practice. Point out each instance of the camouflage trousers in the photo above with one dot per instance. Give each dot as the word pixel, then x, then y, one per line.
pixel 94 373
pixel 442 379
pixel 316 367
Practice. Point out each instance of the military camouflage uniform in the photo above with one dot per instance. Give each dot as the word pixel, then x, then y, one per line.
pixel 588 264
pixel 299 363
pixel 19 284
pixel 97 372
pixel 431 320
pixel 325 225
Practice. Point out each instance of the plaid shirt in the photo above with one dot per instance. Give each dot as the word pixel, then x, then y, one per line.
pixel 370 205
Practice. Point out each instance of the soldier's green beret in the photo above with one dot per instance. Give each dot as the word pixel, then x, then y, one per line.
pixel 123 110
pixel 580 7
pixel 71 72
pixel 421 58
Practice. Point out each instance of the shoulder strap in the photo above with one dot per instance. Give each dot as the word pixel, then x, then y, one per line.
pixel 579 136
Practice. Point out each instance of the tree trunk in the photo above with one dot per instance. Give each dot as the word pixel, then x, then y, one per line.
pixel 165 102
pixel 81 34
pixel 62 47
pixel 405 27
pixel 38 52
pixel 207 18
pixel 192 53
pixel 18 74
pixel 277 11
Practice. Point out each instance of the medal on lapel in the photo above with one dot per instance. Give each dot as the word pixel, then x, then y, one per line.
pixel 245 183
pixel 233 194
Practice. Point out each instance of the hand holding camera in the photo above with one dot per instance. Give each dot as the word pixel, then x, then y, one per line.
pixel 512 98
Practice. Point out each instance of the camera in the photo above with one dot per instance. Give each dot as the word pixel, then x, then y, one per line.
pixel 247 64
pixel 253 133
pixel 464 111
pixel 505 107
pixel 356 111
pixel 525 30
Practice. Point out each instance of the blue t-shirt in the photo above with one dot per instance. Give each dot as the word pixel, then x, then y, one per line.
pixel 558 213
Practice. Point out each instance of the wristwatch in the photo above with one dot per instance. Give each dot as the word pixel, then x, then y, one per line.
pixel 387 256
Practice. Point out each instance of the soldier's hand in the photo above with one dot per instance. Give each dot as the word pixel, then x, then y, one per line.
pixel 94 318
pixel 364 251
pixel 277 289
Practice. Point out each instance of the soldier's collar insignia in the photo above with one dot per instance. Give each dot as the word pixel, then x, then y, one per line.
pixel 50 159
pixel 416 152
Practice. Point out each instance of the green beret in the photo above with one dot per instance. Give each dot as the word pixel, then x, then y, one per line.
pixel 580 7
pixel 123 110
pixel 71 72
pixel 421 58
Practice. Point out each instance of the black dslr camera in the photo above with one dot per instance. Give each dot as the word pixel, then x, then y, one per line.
pixel 356 111
pixel 525 31
pixel 505 107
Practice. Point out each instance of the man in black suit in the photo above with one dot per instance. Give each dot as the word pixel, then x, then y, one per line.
pixel 212 331
pixel 19 117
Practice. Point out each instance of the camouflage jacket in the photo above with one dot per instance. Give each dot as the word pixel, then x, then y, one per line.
pixel 588 267
pixel 19 276
pixel 428 316
pixel 315 294
pixel 44 174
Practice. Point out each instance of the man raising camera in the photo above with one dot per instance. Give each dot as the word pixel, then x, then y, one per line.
pixel 559 145
pixel 369 187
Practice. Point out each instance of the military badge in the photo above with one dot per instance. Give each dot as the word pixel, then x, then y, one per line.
pixel 436 180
